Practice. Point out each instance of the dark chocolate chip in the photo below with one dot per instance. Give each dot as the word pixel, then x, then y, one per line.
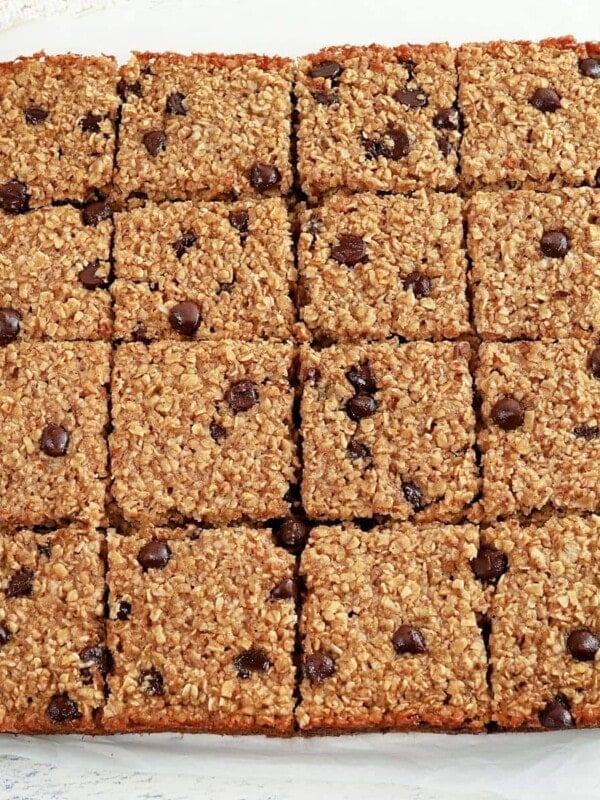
pixel 124 610
pixel 96 212
pixel 556 714
pixel 185 318
pixel 151 681
pixel 594 362
pixel 413 495
pixel 394 144
pixel 4 635
pixel 554 244
pixel 445 146
pixel 90 123
pixel 89 279
pixel 362 378
pixel 356 450
pixel 264 177
pixel 14 197
pixel 447 119
pixel 20 584
pixel 174 104
pixel 35 115
pixel 409 65
pixel 98 655
pixel 154 141
pixel 350 250
pixel 187 239
pixel 361 406
pixel 253 660
pixel 325 98
pixel 587 432
pixel 590 67
pixel 10 323
pixel 54 441
pixel 413 98
pixel 217 432
pixel 317 667
pixel 583 644
pixel 489 565
pixel 240 220
pixel 545 100
pixel 508 414
pixel 326 69
pixel 419 283
pixel 284 590
pixel 155 554
pixel 124 89
pixel 292 534
pixel 371 148
pixel 242 395
pixel 597 179
pixel 62 708
pixel 409 639
pixel 44 550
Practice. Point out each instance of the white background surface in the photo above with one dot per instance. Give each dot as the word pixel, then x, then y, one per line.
pixel 419 767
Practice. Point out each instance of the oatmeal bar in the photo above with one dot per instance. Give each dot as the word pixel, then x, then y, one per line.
pixel 541 414
pixel 202 430
pixel 206 271
pixel 205 126
pixel 546 624
pixel 377 119
pixel 374 266
pixel 54 272
pixel 53 417
pixel 530 114
pixel 389 629
pixel 57 129
pixel 52 655
pixel 388 429
pixel 536 263
pixel 202 627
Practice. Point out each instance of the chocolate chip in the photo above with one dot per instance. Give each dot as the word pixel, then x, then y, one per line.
pixel 325 98
pixel 394 144
pixel 253 660
pixel 545 100
pixel 445 146
pixel 124 89
pixel 361 406
pixel 62 709
pixel 98 655
pixel 362 378
pixel 54 441
pixel 174 104
pixel 284 590
pixel 187 239
pixel 242 395
pixel 151 681
pixel 14 198
pixel 44 550
pixel 413 98
pixel 587 432
pixel 20 584
pixel 556 714
pixel 371 148
pixel 90 123
pixel 326 69
pixel 35 115
pixel 10 323
pixel 96 212
pixel 124 610
pixel 89 279
pixel 217 432
pixel 447 119
pixel 4 635
pixel 263 177
pixel 154 555
pixel 508 414
pixel 350 250
pixel 317 667
pixel 554 244
pixel 590 67
pixel 594 362
pixel 409 639
pixel 154 141
pixel 185 318
pixel 356 450
pixel 409 65
pixel 419 283
pixel 583 644
pixel 413 495
pixel 489 565
pixel 292 534
pixel 240 220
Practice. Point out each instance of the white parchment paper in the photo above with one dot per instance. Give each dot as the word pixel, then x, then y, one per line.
pixel 369 767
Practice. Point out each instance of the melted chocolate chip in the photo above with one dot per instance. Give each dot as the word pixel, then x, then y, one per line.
pixel 489 565
pixel 253 660
pixel 590 67
pixel 556 714
pixel 187 239
pixel 151 682
pixel 325 98
pixel 587 432
pixel 14 197
pixel 88 278
pixel 408 639
pixel 508 414
pixel 447 119
pixel 10 324
pixel 264 177
pixel 326 69
pixel 98 655
pixel 419 283
pixel 413 98
pixel 545 100
pixel 413 495
pixel 445 146
pixel 583 644
pixel 240 220
pixel 154 141
pixel 54 441
pixel 394 144
pixel 35 115
pixel 20 584
pixel 174 104
pixel 242 395
pixel 96 212
pixel 62 708
pixel 185 318
pixel 217 432
pixel 361 406
pixel 154 555
pixel 124 610
pixel 362 378
pixel 317 667
pixel 292 534
pixel 284 590
pixel 124 89
pixel 90 123
pixel 356 450
pixel 350 250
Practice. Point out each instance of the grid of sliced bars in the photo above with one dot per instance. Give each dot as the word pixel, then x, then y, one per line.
pixel 300 391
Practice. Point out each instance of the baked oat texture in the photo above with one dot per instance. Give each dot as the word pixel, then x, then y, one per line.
pixel 190 622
